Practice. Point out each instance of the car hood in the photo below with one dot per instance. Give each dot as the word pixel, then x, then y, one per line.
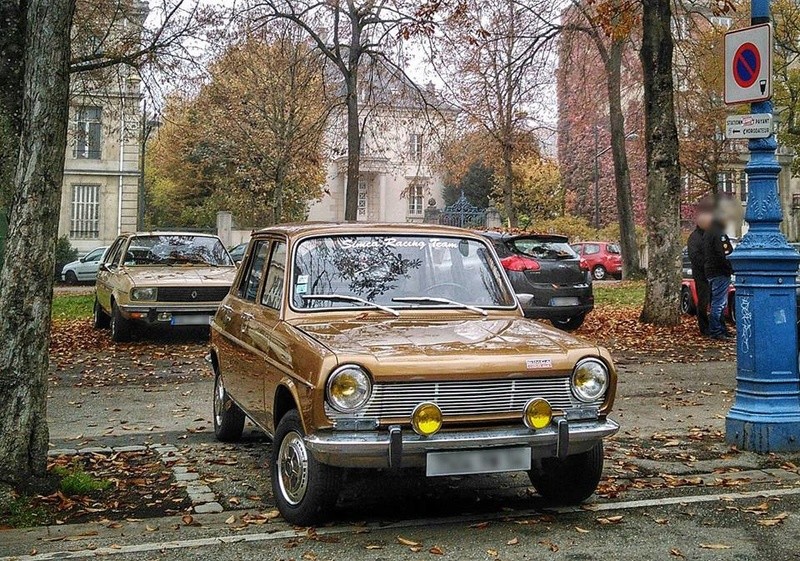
pixel 181 275
pixel 481 346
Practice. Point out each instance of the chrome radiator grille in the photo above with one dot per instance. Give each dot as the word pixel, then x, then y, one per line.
pixel 486 397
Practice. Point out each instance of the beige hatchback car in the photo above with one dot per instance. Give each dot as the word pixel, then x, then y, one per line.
pixel 161 278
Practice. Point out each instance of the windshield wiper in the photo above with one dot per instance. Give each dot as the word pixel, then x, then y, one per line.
pixel 436 300
pixel 347 298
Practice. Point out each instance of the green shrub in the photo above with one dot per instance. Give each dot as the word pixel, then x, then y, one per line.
pixel 65 253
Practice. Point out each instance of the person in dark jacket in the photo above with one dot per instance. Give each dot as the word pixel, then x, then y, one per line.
pixel 697 257
pixel 716 248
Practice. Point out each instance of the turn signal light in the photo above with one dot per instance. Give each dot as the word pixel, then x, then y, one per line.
pixel 538 414
pixel 426 419
pixel 519 263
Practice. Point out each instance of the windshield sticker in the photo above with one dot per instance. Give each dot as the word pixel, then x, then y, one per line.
pixel 538 363
pixel 301 288
pixel 434 243
pixel 302 279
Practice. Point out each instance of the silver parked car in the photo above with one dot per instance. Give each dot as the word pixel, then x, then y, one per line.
pixel 83 269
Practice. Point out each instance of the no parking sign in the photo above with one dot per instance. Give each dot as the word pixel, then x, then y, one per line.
pixel 748 64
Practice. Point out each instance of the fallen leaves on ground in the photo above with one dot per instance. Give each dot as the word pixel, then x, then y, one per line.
pixel 618 328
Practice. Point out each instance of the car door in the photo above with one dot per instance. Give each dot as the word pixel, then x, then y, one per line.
pixel 271 346
pixel 241 364
pixel 87 268
pixel 106 272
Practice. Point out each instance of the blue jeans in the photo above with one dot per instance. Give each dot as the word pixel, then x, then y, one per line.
pixel 719 297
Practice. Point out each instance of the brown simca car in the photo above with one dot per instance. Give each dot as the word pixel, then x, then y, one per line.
pixel 394 346
pixel 164 278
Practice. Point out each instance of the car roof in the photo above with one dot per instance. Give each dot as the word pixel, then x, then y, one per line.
pixel 505 237
pixel 170 233
pixel 304 229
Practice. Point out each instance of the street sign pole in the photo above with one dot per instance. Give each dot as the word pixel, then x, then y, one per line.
pixel 765 416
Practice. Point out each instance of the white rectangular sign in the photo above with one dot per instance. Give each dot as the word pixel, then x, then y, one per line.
pixel 748 64
pixel 748 126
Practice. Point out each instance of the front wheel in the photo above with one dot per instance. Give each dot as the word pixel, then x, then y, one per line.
pixel 687 305
pixel 120 325
pixel 71 277
pixel 569 481
pixel 569 324
pixel 304 489
pixel 599 273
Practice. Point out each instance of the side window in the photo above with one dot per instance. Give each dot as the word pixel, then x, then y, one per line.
pixel 112 257
pixel 578 248
pixel 248 288
pixel 94 256
pixel 276 273
pixel 591 249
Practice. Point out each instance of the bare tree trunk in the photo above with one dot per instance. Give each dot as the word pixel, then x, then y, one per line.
pixel 663 171
pixel 631 267
pixel 353 151
pixel 26 281
pixel 508 184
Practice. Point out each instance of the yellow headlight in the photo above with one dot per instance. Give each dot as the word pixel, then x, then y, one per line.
pixel 426 419
pixel 538 414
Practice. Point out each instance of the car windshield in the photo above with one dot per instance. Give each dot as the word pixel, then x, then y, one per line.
pixel 177 249
pixel 613 248
pixel 396 272
pixel 543 248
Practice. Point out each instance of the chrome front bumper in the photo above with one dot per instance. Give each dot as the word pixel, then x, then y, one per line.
pixel 396 447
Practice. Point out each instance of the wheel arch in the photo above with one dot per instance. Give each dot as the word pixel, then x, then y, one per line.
pixel 285 400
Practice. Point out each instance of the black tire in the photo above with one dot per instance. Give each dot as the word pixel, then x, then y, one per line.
pixel 569 481
pixel 599 272
pixel 100 319
pixel 687 304
pixel 71 277
pixel 120 326
pixel 315 497
pixel 228 418
pixel 569 324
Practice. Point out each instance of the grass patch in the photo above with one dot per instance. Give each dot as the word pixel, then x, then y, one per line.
pixel 73 306
pixel 627 294
pixel 75 481
pixel 20 513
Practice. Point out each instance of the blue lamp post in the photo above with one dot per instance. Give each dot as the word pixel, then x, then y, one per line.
pixel 765 416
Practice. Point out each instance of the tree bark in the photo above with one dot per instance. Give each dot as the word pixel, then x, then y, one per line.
pixel 353 149
pixel 26 280
pixel 661 305
pixel 631 267
pixel 508 184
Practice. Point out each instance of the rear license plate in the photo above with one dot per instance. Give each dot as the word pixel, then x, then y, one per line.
pixel 202 319
pixel 564 301
pixel 489 460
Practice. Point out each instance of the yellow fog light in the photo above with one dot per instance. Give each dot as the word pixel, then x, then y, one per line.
pixel 426 419
pixel 538 414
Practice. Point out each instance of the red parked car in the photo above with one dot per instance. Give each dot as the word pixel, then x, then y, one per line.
pixel 689 299
pixel 601 258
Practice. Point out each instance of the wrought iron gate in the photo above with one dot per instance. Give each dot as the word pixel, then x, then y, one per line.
pixel 463 214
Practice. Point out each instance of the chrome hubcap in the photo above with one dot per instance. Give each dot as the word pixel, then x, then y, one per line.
pixel 293 468
pixel 219 400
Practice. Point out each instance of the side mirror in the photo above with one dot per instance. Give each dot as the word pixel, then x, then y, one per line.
pixel 238 264
pixel 524 299
pixel 102 267
pixel 82 259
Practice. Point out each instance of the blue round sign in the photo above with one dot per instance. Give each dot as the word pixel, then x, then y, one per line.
pixel 746 65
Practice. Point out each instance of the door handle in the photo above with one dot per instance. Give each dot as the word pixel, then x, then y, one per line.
pixel 246 317
pixel 227 313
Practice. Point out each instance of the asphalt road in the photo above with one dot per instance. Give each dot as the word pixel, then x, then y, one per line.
pixel 680 491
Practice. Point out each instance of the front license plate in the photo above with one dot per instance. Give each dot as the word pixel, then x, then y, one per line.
pixel 564 301
pixel 490 460
pixel 202 319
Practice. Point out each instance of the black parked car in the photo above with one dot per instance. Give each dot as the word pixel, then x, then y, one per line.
pixel 547 268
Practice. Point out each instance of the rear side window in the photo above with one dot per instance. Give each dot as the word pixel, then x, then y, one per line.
pixel 276 272
pixel 542 248
pixel 591 249
pixel 248 289
pixel 613 248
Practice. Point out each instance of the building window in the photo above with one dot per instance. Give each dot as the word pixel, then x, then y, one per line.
pixel 725 183
pixel 416 200
pixel 744 186
pixel 85 212
pixel 416 146
pixel 88 132
pixel 362 199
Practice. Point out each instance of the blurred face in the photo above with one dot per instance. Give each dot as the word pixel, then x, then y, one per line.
pixel 704 219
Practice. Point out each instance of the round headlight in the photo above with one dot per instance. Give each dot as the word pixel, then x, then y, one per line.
pixel 426 419
pixel 590 379
pixel 538 413
pixel 140 294
pixel 349 388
